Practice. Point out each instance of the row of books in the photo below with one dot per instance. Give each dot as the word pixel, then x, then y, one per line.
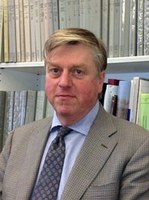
pixel 26 24
pixel 128 100
pixel 21 107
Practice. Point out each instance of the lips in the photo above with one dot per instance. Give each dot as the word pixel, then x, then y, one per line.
pixel 65 96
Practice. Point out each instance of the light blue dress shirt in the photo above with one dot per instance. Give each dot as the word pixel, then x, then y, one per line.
pixel 74 142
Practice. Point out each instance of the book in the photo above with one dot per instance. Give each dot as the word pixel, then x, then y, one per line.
pixel 130 106
pixel 6 31
pixel 124 28
pixel 37 31
pixel 55 15
pixel 95 13
pixel 1 30
pixel 114 27
pixel 17 31
pixel 17 110
pixel 8 116
pixel 143 88
pixel 146 27
pixel 113 109
pixel 123 96
pixel 22 105
pixel 72 13
pixel 49 110
pixel 62 14
pixel 30 106
pixel 22 32
pixel 27 29
pixel 40 105
pixel 105 23
pixel 133 28
pixel 42 21
pixel 140 85
pixel 47 18
pixel 12 31
pixel 32 31
pixel 82 13
pixel 144 110
pixel 2 111
pixel 140 27
pixel 134 98
pixel 111 90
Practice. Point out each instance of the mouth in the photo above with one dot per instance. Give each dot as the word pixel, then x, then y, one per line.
pixel 65 96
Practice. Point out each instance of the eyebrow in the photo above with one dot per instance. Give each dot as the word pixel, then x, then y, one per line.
pixel 73 65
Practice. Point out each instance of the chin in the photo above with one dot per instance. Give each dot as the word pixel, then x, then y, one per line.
pixel 64 111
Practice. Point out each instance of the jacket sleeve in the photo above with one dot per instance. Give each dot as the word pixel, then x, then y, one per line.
pixel 135 180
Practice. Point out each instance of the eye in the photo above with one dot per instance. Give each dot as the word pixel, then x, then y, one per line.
pixel 78 73
pixel 54 71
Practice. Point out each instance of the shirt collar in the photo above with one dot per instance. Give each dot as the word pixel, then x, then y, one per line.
pixel 83 126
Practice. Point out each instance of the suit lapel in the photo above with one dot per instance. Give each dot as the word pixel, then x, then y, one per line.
pixel 34 153
pixel 97 148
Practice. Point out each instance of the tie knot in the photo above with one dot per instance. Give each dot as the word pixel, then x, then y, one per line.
pixel 63 131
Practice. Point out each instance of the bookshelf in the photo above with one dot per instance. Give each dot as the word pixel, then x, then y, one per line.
pixel 30 75
pixel 126 44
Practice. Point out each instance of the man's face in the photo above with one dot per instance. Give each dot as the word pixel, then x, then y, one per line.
pixel 72 82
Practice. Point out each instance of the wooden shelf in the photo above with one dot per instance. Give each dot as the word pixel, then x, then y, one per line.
pixel 115 65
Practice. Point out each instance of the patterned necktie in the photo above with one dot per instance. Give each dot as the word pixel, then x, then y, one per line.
pixel 48 183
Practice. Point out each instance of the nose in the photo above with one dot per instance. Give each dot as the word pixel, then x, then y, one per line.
pixel 65 79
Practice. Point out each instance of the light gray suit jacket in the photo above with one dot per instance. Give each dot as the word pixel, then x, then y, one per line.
pixel 112 165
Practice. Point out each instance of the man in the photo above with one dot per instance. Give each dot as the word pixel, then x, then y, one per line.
pixel 106 158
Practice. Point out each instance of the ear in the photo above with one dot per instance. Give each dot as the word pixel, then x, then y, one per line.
pixel 102 76
pixel 101 81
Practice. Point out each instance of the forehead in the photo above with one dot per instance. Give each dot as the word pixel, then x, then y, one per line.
pixel 71 51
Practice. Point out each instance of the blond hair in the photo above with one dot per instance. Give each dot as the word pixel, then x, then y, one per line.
pixel 74 36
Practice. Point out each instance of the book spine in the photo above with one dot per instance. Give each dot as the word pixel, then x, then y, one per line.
pixel 140 27
pixel 82 13
pixel 37 31
pixel 12 31
pixel 114 28
pixel 2 111
pixel 40 105
pixel 144 111
pixel 55 15
pixel 105 23
pixel 42 22
pixel 111 90
pixel 30 107
pixel 62 14
pixel 123 99
pixel 96 12
pixel 27 33
pixel 22 33
pixel 132 32
pixel 32 28
pixel 18 37
pixel 6 32
pixel 1 30
pixel 8 116
pixel 146 27
pixel 124 28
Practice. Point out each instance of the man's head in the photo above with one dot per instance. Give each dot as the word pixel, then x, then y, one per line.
pixel 75 63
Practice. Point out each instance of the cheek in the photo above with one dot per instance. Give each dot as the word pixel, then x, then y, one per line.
pixel 48 88
pixel 90 90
